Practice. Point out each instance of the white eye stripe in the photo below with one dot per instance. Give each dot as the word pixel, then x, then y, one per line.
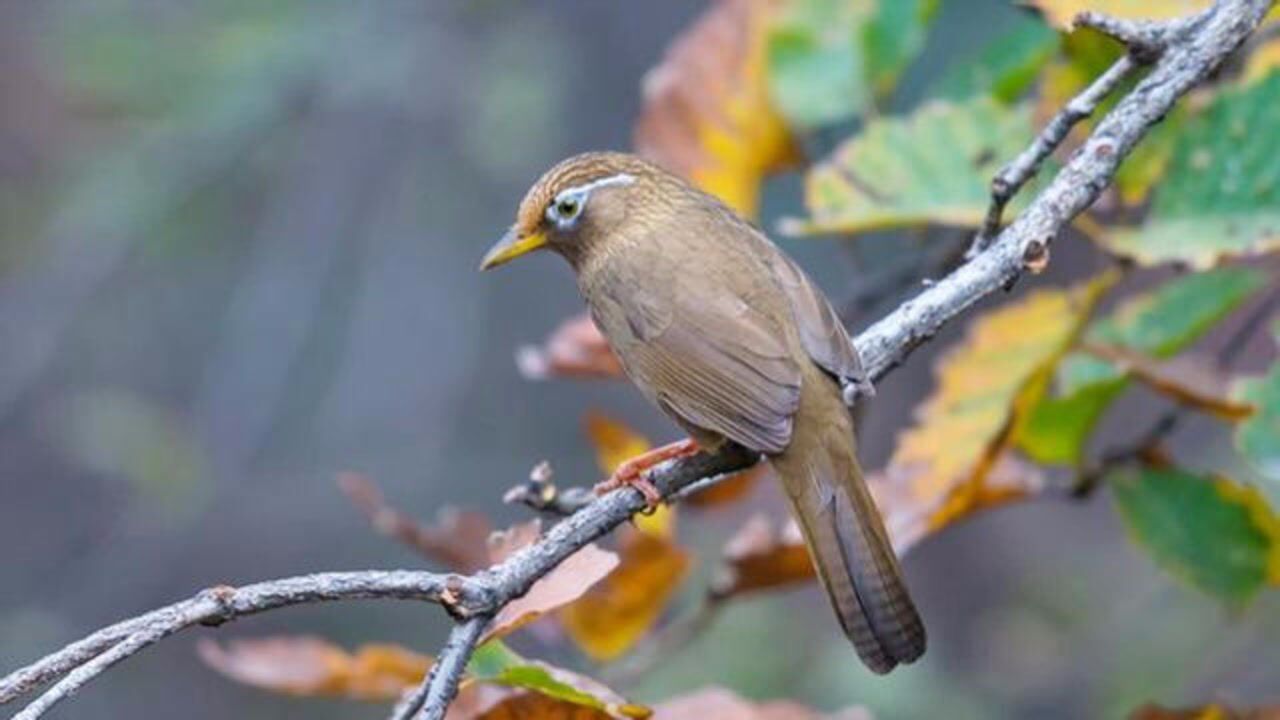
pixel 581 191
pixel 569 203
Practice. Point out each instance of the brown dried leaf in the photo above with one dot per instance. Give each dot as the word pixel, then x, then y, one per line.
pixel 456 539
pixel 762 556
pixel 707 112
pixel 1152 711
pixel 909 520
pixel 1187 379
pixel 730 490
pixel 615 614
pixel 576 349
pixel 714 702
pixel 314 667
pixel 502 544
pixel 563 585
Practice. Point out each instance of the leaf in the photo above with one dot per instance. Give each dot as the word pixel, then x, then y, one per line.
pixel 314 667
pixel 615 443
pixel 1188 380
pixel 567 583
pixel 611 617
pixel 1062 13
pixel 495 663
pixel 818 74
pixel 1158 324
pixel 1216 201
pixel 1151 711
pixel 762 556
pixel 575 349
pixel 729 490
pixel 713 703
pixel 933 166
pixel 1258 438
pixel 1215 534
pixel 707 114
pixel 1004 68
pixel 910 516
pixel 985 388
pixel 893 38
pixel 1262 61
pixel 457 539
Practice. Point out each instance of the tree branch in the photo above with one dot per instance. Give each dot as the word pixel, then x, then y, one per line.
pixel 1189 50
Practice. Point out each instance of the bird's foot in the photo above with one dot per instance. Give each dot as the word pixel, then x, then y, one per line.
pixel 632 472
pixel 854 390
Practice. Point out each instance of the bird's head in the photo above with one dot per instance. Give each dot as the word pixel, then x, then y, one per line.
pixel 579 205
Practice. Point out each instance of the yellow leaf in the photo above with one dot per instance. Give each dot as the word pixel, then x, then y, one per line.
pixel 616 613
pixel 985 388
pixel 707 113
pixel 1062 13
pixel 615 443
pixel 1262 61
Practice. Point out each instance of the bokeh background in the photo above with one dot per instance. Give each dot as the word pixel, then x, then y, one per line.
pixel 238 244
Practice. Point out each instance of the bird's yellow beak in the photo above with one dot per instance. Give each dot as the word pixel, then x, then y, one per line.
pixel 510 247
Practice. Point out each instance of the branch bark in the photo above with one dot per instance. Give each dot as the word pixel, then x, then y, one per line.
pixel 1182 53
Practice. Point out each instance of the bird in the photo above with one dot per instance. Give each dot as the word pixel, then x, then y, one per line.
pixel 729 337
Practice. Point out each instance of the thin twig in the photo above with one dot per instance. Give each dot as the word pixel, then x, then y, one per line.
pixel 1013 176
pixel 441 685
pixel 1197 50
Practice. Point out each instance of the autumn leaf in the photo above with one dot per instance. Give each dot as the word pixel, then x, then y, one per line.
pixel 910 517
pixel 314 667
pixel 1216 534
pixel 1062 13
pixel 457 539
pixel 933 166
pixel 1158 324
pixel 728 490
pixel 615 614
pixel 1189 380
pixel 762 555
pixel 1152 711
pixel 496 664
pixel 576 349
pixel 985 388
pixel 712 703
pixel 706 113
pixel 568 582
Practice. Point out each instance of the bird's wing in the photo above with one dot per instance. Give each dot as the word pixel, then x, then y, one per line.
pixel 821 332
pixel 714 362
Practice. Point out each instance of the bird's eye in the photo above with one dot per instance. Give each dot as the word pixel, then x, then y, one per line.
pixel 567 208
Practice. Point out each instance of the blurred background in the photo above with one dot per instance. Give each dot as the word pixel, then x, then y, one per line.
pixel 238 244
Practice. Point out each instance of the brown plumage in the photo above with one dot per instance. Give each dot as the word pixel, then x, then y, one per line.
pixel 725 334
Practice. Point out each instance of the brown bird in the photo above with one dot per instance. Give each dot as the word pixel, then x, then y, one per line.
pixel 727 335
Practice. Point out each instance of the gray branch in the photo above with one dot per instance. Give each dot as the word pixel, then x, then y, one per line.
pixel 1188 50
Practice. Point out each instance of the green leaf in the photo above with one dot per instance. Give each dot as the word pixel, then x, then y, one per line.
pixel 1159 324
pixel 933 166
pixel 817 71
pixel 1258 438
pixel 494 662
pixel 1221 192
pixel 894 38
pixel 1005 67
pixel 1217 535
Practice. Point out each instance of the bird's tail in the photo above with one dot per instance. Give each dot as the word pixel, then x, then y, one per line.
pixel 848 542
